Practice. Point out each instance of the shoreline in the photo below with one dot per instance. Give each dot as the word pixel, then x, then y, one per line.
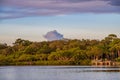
pixel 117 65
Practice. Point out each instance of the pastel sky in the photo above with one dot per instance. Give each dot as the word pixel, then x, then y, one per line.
pixel 75 19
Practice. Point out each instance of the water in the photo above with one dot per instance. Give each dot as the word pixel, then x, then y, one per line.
pixel 59 73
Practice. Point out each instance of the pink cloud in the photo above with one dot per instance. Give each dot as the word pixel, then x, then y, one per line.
pixel 25 8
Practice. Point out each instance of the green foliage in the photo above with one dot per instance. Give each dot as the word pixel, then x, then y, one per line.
pixel 60 52
pixel 3 46
pixel 118 59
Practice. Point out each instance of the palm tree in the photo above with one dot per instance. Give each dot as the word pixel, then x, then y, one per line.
pixel 115 48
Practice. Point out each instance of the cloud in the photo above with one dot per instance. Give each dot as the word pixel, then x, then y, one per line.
pixel 53 35
pixel 115 2
pixel 26 8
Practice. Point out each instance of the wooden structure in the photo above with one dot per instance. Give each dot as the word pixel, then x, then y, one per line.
pixel 103 63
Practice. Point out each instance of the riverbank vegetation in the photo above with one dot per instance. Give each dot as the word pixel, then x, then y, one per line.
pixel 60 52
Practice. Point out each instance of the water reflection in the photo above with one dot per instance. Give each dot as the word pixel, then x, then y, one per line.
pixel 59 73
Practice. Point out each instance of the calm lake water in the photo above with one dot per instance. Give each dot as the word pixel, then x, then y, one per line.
pixel 59 73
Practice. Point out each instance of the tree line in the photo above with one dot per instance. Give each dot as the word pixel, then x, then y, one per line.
pixel 60 52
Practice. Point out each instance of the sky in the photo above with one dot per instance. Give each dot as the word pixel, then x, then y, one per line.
pixel 74 19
